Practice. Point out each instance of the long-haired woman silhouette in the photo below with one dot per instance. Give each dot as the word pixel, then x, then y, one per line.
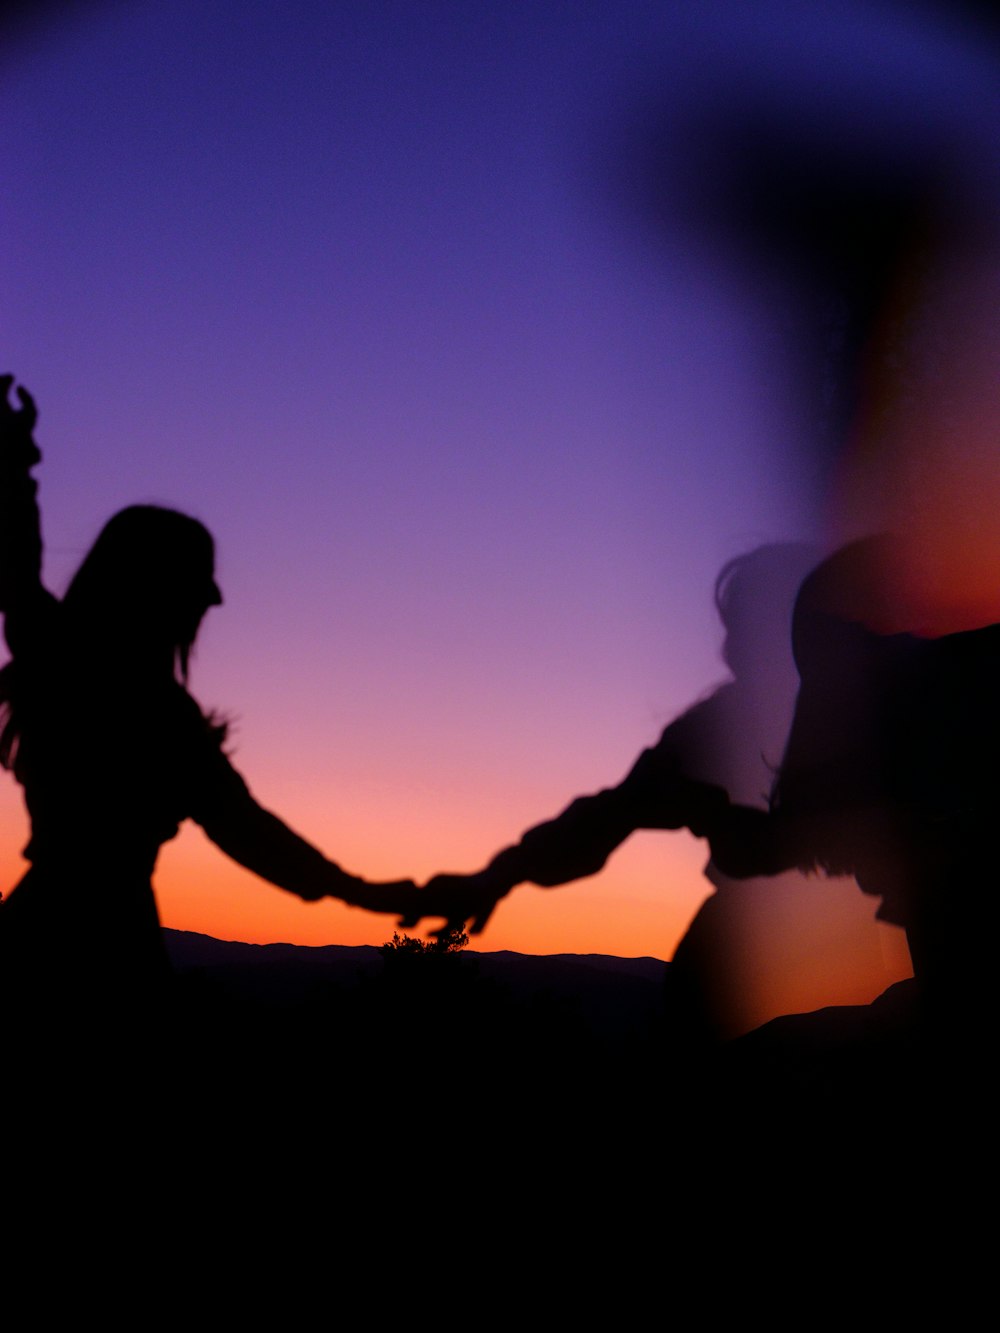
pixel 889 774
pixel 98 726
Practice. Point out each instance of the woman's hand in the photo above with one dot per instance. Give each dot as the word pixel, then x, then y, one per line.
pixel 460 899
pixel 17 448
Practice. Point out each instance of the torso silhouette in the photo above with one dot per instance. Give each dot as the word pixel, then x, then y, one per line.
pixel 111 764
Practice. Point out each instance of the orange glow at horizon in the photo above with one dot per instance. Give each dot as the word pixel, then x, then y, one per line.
pixel 813 945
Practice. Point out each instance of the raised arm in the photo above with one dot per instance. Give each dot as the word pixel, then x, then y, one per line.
pixel 21 590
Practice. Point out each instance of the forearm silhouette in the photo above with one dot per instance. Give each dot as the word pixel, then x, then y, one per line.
pixel 260 841
pixel 656 794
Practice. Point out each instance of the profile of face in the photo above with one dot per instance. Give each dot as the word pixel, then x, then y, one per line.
pixel 181 587
pixel 196 597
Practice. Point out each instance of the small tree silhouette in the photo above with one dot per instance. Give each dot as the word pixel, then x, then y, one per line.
pixel 427 973
pixel 451 941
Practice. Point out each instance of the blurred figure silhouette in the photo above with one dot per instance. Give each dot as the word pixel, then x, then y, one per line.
pixel 113 753
pixel 725 748
pixel 890 774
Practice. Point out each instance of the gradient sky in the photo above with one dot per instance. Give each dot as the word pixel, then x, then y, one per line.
pixel 363 286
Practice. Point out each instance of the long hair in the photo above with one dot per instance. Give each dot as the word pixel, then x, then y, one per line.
pixel 754 596
pixel 834 777
pixel 135 603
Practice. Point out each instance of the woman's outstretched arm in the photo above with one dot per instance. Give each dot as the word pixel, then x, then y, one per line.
pixel 257 839
pixel 578 842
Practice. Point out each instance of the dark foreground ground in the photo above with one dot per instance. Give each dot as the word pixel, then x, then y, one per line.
pixel 457 1133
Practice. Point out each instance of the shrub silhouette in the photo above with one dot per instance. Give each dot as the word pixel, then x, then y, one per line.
pixel 449 942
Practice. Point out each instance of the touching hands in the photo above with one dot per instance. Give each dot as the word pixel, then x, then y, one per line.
pixel 457 898
pixel 460 899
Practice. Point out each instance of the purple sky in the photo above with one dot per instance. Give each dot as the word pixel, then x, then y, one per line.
pixel 359 285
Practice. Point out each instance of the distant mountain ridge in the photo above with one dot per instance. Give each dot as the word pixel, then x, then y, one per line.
pixel 612 994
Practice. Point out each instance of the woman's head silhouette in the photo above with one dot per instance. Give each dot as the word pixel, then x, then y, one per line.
pixel 146 583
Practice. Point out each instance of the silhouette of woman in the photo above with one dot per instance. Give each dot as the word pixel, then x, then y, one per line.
pixel 890 773
pixel 113 752
pixel 726 745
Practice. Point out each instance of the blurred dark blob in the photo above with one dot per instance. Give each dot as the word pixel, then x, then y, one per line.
pixel 839 226
pixel 843 212
pixel 19 16
pixel 27 22
pixel 981 16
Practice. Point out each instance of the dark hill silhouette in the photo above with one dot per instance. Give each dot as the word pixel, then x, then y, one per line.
pixel 534 1088
pixel 612 996
pixel 559 1027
